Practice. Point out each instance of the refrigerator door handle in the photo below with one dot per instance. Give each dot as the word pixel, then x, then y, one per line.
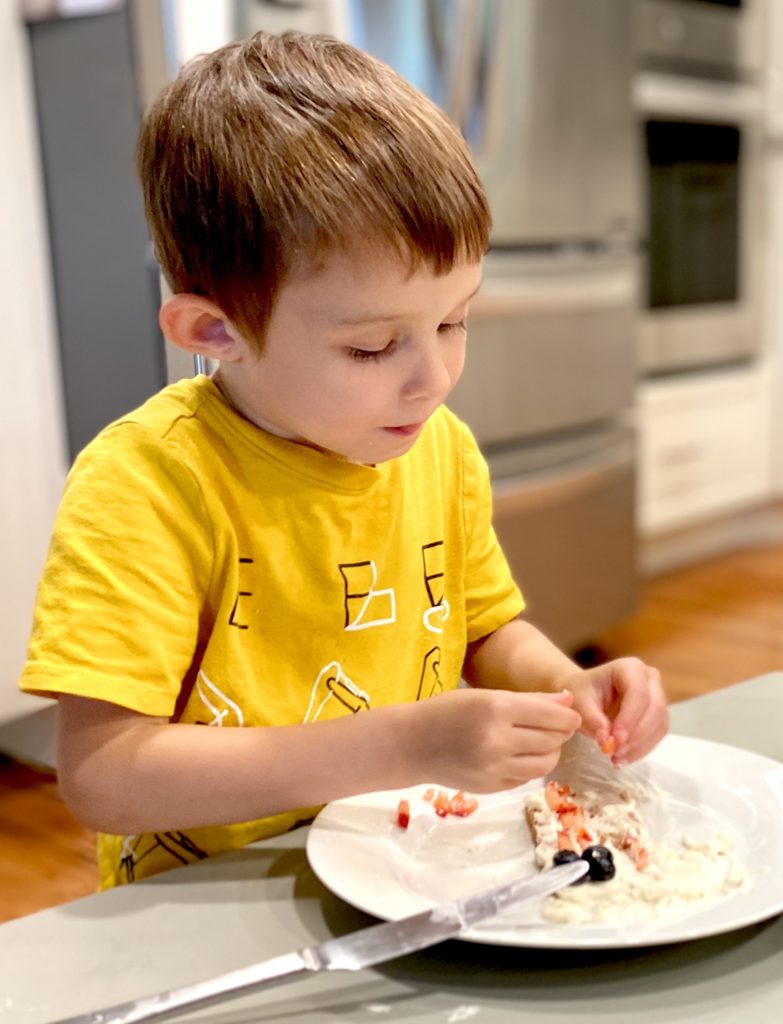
pixel 582 292
pixel 656 94
pixel 481 69
pixel 458 64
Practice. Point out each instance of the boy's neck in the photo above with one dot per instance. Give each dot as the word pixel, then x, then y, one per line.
pixel 236 403
pixel 224 387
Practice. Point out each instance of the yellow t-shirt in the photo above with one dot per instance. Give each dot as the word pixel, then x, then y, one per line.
pixel 205 571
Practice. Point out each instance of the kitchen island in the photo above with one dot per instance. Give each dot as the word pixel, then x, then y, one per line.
pixel 198 921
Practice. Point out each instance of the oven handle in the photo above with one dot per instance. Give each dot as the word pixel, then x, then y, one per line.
pixel 657 94
pixel 579 293
pixel 563 483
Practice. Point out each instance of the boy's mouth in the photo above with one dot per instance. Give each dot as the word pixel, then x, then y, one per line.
pixel 406 430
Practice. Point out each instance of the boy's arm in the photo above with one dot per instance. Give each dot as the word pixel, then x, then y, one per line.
pixel 622 701
pixel 126 773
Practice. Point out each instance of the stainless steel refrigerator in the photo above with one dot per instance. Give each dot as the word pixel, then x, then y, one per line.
pixel 542 92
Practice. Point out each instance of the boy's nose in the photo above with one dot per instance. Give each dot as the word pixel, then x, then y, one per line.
pixel 432 375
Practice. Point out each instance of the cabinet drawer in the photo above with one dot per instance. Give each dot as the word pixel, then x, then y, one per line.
pixel 704 447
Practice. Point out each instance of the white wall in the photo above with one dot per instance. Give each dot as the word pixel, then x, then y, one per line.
pixel 32 452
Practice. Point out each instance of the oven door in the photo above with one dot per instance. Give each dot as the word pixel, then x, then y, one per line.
pixel 703 187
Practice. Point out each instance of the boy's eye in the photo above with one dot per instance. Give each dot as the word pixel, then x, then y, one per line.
pixel 373 354
pixel 459 325
pixel 369 354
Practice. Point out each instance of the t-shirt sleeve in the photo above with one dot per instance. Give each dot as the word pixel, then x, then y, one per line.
pixel 118 607
pixel 492 598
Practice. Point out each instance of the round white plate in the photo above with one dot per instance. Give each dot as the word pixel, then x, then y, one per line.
pixel 357 850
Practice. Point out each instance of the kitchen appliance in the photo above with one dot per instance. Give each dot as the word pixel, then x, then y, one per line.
pixel 708 38
pixel 699 106
pixel 542 92
pixel 353 952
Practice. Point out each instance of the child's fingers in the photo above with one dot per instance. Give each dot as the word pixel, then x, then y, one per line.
pixel 643 718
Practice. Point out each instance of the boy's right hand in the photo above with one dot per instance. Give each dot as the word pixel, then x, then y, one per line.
pixel 488 740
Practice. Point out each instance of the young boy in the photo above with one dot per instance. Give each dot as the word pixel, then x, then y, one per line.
pixel 264 587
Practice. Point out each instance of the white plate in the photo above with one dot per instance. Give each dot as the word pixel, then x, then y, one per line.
pixel 356 849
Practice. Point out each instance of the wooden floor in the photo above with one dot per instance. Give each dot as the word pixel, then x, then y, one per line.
pixel 703 627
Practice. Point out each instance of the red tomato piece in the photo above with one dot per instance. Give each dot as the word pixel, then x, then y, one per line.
pixel 583 837
pixel 403 814
pixel 566 842
pixel 557 796
pixel 570 817
pixel 463 805
pixel 442 803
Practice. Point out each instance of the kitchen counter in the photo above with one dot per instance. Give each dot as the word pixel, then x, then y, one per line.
pixel 215 916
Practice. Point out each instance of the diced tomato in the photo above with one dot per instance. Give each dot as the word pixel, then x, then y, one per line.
pixel 583 837
pixel 458 804
pixel 639 853
pixel 557 796
pixel 403 814
pixel 608 746
pixel 565 841
pixel 570 817
pixel 442 803
pixel 463 805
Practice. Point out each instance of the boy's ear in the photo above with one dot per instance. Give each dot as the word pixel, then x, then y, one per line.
pixel 197 325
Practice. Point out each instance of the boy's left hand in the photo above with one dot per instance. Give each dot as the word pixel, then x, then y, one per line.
pixel 623 707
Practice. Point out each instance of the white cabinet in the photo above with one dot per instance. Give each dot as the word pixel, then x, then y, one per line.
pixel 704 447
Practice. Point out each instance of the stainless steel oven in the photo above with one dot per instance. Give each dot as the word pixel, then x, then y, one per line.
pixel 703 189
pixel 708 38
pixel 699 108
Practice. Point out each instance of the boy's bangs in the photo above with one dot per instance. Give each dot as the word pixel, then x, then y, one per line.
pixel 435 234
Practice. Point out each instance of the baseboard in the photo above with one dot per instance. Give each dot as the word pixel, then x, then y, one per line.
pixel 754 527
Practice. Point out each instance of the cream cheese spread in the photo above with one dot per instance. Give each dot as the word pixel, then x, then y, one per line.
pixel 652 879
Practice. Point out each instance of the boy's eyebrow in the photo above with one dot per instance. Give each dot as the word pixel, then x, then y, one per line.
pixel 370 318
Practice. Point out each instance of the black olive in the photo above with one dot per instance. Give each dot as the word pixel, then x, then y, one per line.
pixel 568 857
pixel 600 863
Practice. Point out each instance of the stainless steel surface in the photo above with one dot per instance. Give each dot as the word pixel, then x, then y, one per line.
pixel 708 38
pixel 540 89
pixel 355 952
pixel 682 335
pixel 551 345
pixel 567 530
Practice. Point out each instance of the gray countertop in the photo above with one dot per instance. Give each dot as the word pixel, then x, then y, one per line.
pixel 192 923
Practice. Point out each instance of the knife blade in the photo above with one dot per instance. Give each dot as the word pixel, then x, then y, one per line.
pixel 353 952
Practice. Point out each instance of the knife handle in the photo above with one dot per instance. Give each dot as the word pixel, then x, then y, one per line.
pixel 278 970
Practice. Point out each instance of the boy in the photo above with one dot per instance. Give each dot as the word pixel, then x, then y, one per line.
pixel 297 553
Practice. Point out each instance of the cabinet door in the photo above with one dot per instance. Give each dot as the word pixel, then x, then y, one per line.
pixel 705 448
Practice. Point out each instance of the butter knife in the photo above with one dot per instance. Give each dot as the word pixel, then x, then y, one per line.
pixel 352 952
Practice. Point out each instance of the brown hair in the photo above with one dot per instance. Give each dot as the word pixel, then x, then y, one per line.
pixel 262 156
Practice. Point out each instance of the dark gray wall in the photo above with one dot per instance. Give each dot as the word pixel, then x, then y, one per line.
pixel 105 282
